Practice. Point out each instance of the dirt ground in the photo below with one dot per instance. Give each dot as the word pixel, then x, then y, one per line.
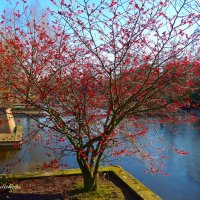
pixel 60 188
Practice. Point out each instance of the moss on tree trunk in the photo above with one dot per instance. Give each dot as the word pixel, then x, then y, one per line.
pixel 90 177
pixel 90 181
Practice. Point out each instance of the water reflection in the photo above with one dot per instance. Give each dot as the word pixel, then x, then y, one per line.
pixel 182 184
pixel 36 150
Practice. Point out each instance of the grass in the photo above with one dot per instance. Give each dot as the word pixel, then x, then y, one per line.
pixel 107 190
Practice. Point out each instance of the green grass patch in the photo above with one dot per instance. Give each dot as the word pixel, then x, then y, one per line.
pixel 107 190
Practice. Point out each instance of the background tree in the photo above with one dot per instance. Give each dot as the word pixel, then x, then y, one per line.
pixel 99 71
pixel 194 7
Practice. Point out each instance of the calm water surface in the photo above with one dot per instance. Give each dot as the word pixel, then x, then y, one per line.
pixel 183 183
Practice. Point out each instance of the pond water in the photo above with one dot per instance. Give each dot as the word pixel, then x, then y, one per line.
pixel 180 180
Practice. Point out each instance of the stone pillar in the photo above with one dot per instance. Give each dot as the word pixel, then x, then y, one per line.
pixel 10 135
pixel 7 122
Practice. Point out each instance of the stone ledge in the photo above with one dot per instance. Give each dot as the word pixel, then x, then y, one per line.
pixel 11 140
pixel 132 183
pixel 29 112
pixel 140 189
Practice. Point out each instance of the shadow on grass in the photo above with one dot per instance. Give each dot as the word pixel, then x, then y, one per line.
pixel 77 191
pixel 128 193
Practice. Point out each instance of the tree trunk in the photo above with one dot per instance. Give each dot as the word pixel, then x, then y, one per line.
pixel 90 178
pixel 90 181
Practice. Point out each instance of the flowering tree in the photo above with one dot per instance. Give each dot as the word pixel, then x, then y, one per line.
pixel 97 69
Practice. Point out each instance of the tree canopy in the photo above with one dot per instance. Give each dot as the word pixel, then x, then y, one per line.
pixel 100 70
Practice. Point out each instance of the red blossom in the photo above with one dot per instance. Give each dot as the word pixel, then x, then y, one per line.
pixel 113 3
pixel 167 174
pixel 182 152
pixel 137 6
pixel 62 140
pixel 101 79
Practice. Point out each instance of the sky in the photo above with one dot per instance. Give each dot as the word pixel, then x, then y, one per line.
pixel 39 5
pixel 4 4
